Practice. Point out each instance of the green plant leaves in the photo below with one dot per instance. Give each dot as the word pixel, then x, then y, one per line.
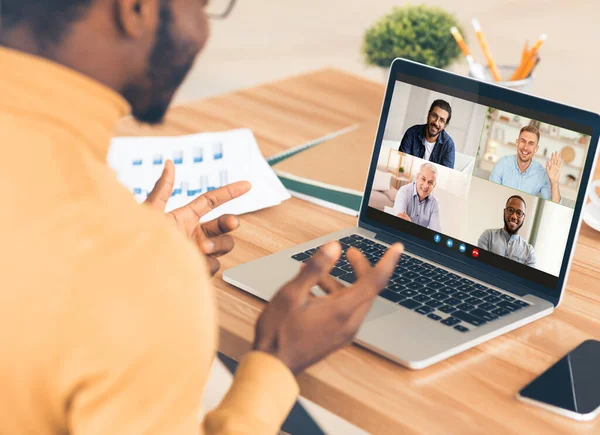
pixel 418 33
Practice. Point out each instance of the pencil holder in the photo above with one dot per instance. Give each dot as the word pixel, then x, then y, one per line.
pixel 505 72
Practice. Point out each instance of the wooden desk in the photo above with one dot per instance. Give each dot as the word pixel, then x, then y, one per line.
pixel 473 392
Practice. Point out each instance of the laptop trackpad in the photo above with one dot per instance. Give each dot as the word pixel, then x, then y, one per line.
pixel 381 308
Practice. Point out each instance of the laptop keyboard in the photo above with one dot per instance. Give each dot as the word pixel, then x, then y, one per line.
pixel 431 291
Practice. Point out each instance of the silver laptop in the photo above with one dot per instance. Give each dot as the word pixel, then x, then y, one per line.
pixel 484 186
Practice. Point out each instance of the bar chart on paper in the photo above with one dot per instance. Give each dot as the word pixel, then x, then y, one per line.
pixel 195 173
pixel 203 162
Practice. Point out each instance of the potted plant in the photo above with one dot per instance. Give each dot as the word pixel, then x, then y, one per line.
pixel 418 33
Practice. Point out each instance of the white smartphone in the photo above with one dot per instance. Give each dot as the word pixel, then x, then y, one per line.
pixel 571 387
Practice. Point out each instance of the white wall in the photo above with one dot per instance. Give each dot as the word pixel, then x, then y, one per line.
pixel 394 129
pixel 552 236
pixel 410 106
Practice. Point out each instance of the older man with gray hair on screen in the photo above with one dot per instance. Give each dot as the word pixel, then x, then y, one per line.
pixel 415 202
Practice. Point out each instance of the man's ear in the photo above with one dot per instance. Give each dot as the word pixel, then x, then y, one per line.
pixel 136 17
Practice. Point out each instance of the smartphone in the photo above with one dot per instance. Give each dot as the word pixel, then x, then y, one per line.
pixel 571 387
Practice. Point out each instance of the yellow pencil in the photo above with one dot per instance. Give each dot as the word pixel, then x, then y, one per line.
pixel 529 67
pixel 460 41
pixel 518 74
pixel 524 54
pixel 475 69
pixel 486 51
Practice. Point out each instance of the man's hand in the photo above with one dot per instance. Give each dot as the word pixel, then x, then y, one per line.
pixel 211 237
pixel 404 216
pixel 300 329
pixel 553 167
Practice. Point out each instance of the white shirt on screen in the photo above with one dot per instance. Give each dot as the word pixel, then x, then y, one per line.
pixel 428 148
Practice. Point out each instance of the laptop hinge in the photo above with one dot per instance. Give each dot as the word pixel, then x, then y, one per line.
pixel 386 238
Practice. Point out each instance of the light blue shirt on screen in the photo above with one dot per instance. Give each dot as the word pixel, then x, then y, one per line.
pixel 425 213
pixel 533 181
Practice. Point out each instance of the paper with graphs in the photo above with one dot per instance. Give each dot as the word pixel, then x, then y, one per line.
pixel 203 162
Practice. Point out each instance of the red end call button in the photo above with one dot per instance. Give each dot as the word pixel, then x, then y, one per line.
pixel 475 253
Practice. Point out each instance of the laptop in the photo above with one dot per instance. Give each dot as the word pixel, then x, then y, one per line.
pixel 460 174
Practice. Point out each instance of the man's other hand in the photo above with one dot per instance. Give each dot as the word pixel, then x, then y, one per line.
pixel 301 329
pixel 212 237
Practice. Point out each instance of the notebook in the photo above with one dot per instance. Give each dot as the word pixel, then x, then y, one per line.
pixel 326 174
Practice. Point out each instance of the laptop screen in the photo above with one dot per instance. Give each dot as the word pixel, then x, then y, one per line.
pixel 479 178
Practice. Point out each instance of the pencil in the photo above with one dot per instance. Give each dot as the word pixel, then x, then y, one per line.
pixel 530 66
pixel 518 74
pixel 463 46
pixel 460 41
pixel 524 54
pixel 486 51
pixel 524 58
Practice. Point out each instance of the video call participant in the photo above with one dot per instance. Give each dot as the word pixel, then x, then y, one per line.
pixel 430 141
pixel 523 173
pixel 506 241
pixel 415 203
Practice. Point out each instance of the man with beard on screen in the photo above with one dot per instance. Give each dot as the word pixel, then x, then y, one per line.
pixel 108 317
pixel 430 141
pixel 506 241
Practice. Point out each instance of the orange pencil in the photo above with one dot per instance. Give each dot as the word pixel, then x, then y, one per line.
pixel 524 54
pixel 475 69
pixel 518 74
pixel 486 51
pixel 530 65
pixel 460 41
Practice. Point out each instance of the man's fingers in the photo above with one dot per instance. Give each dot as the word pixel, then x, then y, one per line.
pixel 385 267
pixel 161 192
pixel 316 268
pixel 217 246
pixel 330 285
pixel 557 158
pixel 213 265
pixel 211 200
pixel 370 284
pixel 223 225
pixel 357 317
pixel 358 261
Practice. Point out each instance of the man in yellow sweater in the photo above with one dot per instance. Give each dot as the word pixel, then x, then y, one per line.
pixel 107 315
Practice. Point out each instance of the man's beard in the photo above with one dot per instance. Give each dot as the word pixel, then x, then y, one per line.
pixel 509 231
pixel 431 134
pixel 170 61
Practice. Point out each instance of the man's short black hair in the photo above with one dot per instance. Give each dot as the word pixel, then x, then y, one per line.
pixel 444 105
pixel 47 20
pixel 518 197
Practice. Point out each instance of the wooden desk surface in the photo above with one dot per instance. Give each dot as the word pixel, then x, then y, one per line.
pixel 473 392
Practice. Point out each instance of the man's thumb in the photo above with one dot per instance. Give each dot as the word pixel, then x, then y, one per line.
pixel 161 192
